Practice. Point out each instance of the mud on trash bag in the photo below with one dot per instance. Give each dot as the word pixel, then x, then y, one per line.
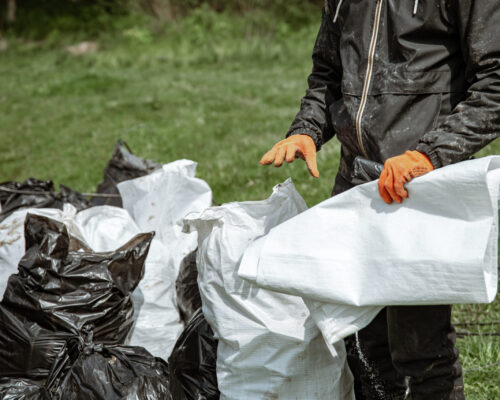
pixel 193 362
pixel 90 371
pixel 122 166
pixel 186 286
pixel 37 194
pixel 62 286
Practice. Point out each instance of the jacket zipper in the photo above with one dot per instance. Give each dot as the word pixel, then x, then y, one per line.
pixel 368 77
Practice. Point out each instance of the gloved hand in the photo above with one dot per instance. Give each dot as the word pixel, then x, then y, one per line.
pixel 399 170
pixel 291 148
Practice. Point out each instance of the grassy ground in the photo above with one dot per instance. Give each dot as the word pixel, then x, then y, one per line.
pixel 218 94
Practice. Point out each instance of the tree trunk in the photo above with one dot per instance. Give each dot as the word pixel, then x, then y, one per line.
pixel 11 11
pixel 162 9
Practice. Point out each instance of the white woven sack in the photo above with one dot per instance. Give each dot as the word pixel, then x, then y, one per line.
pixel 269 347
pixel 437 247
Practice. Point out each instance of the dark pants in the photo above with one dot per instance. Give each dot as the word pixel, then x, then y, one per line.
pixel 405 349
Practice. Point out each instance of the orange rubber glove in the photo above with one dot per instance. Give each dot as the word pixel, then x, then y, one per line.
pixel 399 170
pixel 295 146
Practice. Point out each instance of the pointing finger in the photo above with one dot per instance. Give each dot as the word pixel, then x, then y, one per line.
pixel 312 165
pixel 268 158
pixel 280 156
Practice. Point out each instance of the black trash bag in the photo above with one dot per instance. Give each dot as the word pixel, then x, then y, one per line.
pixel 90 371
pixel 61 287
pixel 108 372
pixel 22 389
pixel 78 200
pixel 186 286
pixel 39 194
pixel 192 363
pixel 122 166
pixel 365 170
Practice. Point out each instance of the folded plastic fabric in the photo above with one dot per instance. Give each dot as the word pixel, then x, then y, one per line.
pixel 62 287
pixel 437 247
pixel 269 347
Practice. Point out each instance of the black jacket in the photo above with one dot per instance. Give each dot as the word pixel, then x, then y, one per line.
pixel 396 75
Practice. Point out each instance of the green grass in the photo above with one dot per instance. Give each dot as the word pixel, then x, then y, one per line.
pixel 220 94
pixel 219 101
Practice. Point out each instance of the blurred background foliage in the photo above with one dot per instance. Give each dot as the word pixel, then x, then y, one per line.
pixel 40 19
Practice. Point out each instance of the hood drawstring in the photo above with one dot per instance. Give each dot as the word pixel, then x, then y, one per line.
pixel 415 7
pixel 337 11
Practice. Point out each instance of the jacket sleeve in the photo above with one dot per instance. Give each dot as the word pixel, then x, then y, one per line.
pixel 324 85
pixel 476 120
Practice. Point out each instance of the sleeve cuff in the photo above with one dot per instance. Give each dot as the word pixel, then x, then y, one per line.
pixel 309 132
pixel 432 155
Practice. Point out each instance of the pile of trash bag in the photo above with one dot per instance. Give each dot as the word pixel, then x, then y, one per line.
pixel 88 294
pixel 98 295
pixel 61 287
pixel 64 316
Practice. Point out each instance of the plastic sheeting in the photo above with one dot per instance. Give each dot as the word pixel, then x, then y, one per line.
pixel 269 347
pixel 61 288
pixel 192 363
pixel 437 247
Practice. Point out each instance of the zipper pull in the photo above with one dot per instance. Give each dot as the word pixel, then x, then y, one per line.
pixel 415 7
pixel 337 11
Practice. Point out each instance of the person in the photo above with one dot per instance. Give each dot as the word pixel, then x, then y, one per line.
pixel 414 85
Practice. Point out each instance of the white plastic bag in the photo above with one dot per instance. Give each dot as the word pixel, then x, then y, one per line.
pixel 12 237
pixel 159 202
pixel 269 347
pixel 437 247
